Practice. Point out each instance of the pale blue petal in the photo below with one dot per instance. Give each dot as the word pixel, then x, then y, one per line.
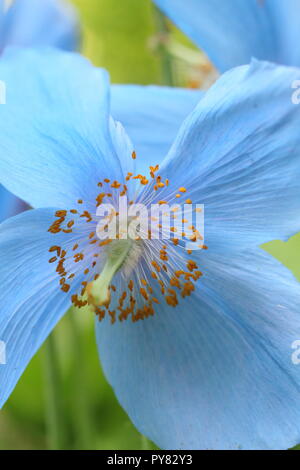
pixel 30 297
pixel 34 23
pixel 10 205
pixel 231 32
pixel 286 17
pixel 2 16
pixel 217 371
pixel 58 108
pixel 152 116
pixel 239 155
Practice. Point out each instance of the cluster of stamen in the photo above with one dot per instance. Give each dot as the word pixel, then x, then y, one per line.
pixel 170 275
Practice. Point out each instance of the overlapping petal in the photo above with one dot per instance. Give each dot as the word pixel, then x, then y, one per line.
pixel 9 204
pixel 217 371
pixel 58 109
pixel 152 116
pixel 231 32
pixel 239 155
pixel 31 300
pixel 34 23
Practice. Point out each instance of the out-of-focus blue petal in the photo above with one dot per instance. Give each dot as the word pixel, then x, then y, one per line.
pixel 34 23
pixel 231 32
pixel 2 14
pixel 216 372
pixel 9 204
pixel 58 108
pixel 286 18
pixel 152 116
pixel 31 299
pixel 239 155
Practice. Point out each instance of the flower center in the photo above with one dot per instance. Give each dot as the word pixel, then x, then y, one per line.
pixel 120 257
pixel 98 291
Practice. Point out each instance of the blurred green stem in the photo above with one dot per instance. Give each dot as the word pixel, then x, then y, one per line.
pixel 166 59
pixel 54 406
pixel 82 415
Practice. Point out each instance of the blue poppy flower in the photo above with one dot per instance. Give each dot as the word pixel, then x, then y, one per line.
pixel 200 350
pixel 34 23
pixel 231 32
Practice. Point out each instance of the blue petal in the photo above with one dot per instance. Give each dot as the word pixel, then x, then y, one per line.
pixel 217 371
pixel 238 154
pixel 34 23
pixel 2 15
pixel 31 300
pixel 58 108
pixel 286 18
pixel 152 116
pixel 231 32
pixel 9 204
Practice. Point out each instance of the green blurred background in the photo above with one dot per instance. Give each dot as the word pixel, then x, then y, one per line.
pixel 125 38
